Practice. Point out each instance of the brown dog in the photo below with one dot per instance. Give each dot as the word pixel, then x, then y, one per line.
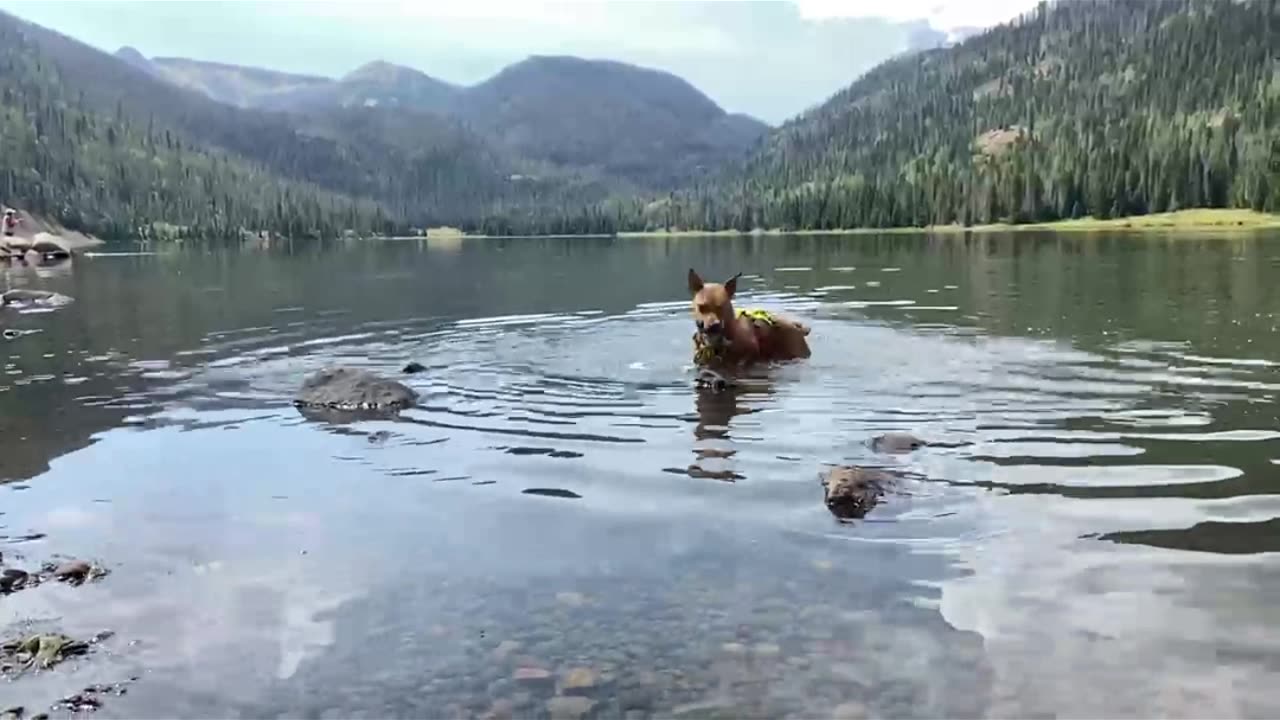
pixel 726 338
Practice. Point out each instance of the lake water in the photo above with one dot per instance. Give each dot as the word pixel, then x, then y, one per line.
pixel 1093 533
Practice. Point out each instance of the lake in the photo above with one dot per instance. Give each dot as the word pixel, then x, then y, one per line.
pixel 1091 532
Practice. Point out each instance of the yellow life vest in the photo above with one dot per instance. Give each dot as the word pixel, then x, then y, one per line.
pixel 704 352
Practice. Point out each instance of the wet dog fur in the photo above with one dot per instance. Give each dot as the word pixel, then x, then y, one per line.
pixel 741 341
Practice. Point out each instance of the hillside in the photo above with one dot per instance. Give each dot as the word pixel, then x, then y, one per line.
pixel 611 120
pixel 647 126
pixel 232 84
pixel 421 169
pixel 1087 107
pixel 103 173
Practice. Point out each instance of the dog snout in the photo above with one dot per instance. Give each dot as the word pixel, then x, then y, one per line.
pixel 711 328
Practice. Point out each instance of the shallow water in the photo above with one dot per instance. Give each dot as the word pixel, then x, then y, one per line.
pixel 1092 533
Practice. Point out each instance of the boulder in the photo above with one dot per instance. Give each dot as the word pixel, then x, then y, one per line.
pixel 48 246
pixel 850 492
pixel 27 296
pixel 896 442
pixel 343 388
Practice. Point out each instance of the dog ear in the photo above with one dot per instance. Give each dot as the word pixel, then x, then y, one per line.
pixel 731 286
pixel 695 282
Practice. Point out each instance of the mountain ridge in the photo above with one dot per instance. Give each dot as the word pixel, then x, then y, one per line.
pixel 645 126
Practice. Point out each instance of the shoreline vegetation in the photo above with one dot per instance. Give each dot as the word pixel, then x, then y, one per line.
pixel 1181 221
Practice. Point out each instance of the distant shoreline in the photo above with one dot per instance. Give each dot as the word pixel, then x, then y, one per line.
pixel 1181 220
pixel 1195 220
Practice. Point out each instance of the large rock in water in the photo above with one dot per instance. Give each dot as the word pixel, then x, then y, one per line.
pixel 24 296
pixel 851 492
pixel 343 388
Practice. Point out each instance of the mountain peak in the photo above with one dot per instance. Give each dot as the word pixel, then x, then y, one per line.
pixel 383 70
pixel 136 59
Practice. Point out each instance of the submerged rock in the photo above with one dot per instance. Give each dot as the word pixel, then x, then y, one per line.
pixel 343 388
pixel 414 367
pixel 551 492
pixel 850 492
pixel 12 580
pixel 896 442
pixel 74 572
pixel 533 678
pixel 41 651
pixel 569 708
pixel 712 380
pixel 580 681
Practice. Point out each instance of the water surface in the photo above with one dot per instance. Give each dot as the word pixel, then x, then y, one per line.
pixel 1092 533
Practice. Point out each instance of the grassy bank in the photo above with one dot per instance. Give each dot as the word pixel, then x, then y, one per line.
pixel 1182 220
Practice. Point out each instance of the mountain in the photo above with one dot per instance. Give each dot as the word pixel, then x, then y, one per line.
pixel 66 157
pixel 398 167
pixel 637 126
pixel 231 84
pixel 648 126
pixel 375 84
pixel 1088 107
pixel 138 60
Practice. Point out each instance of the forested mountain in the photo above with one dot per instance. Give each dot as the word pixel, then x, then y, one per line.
pixel 420 169
pixel 231 84
pixel 1085 107
pixel 607 119
pixel 109 173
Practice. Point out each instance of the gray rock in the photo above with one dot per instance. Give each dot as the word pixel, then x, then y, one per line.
pixel 580 681
pixel 72 571
pixel 342 388
pixel 12 579
pixel 533 678
pixel 896 442
pixel 49 248
pixel 25 296
pixel 851 492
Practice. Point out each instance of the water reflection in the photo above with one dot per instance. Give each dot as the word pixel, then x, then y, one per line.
pixel 1095 507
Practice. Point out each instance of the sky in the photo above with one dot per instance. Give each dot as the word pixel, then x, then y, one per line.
pixel 768 58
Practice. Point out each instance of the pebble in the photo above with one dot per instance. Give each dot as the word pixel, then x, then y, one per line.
pixel 572 599
pixel 532 677
pixel 580 681
pixel 734 648
pixel 505 649
pixel 699 710
pixel 767 650
pixel 569 708
pixel 501 709
pixel 850 711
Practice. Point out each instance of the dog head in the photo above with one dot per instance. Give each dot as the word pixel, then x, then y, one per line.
pixel 712 304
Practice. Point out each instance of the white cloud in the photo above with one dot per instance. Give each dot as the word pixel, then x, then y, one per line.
pixel 941 14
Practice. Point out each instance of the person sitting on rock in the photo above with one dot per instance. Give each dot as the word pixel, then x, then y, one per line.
pixel 11 222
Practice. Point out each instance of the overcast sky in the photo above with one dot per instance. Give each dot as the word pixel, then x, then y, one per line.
pixel 771 59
